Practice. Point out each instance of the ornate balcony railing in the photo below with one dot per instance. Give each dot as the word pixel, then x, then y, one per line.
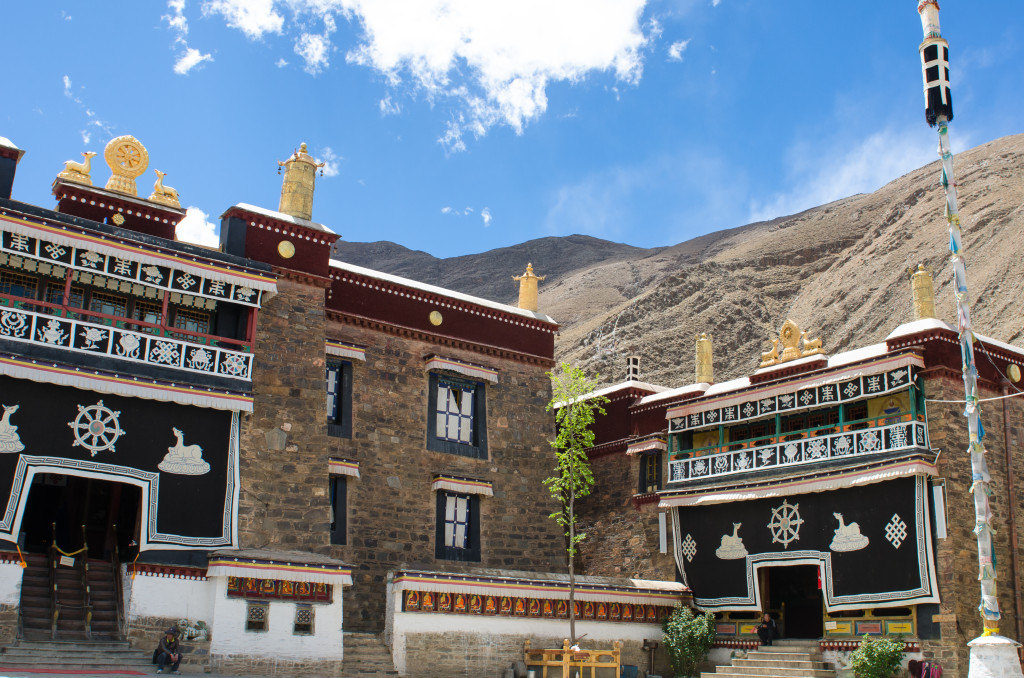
pixel 113 340
pixel 787 453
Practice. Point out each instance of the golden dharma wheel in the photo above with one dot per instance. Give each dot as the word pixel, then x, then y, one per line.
pixel 126 156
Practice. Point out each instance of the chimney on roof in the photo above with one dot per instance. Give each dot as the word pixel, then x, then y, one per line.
pixel 705 372
pixel 10 156
pixel 924 293
pixel 633 368
pixel 299 184
pixel 528 289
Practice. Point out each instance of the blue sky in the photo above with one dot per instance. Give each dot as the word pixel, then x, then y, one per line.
pixel 457 126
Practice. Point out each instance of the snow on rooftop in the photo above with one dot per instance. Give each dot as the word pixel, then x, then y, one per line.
pixel 925 324
pixel 284 217
pixel 918 326
pixel 432 289
pixel 858 354
pixel 642 385
pixel 7 143
pixel 666 393
pixel 727 386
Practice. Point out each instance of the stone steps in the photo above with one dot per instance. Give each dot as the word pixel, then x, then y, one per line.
pixel 366 655
pixel 83 657
pixel 782 659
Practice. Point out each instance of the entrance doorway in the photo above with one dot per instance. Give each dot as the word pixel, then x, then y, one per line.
pixel 795 600
pixel 80 511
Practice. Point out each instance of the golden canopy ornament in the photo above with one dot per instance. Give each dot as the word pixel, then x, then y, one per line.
pixel 787 346
pixel 128 159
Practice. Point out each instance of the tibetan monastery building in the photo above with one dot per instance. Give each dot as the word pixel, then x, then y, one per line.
pixel 830 491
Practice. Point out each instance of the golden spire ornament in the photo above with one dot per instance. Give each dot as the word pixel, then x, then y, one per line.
pixel 528 288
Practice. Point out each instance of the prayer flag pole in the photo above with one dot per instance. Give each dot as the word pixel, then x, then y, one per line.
pixel 991 654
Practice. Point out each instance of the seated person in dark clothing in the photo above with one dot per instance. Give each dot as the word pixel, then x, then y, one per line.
pixel 767 630
pixel 168 652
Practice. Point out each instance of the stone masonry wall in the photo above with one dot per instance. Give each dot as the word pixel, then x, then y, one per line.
pixel 144 633
pixel 956 556
pixel 621 540
pixel 284 500
pixel 391 507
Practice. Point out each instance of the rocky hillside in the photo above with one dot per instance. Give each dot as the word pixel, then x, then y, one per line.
pixel 839 271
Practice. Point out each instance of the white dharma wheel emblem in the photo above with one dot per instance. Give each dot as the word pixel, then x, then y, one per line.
pixel 96 428
pixel 785 524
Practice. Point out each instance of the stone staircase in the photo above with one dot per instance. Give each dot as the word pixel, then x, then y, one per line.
pixel 367 655
pixel 782 659
pixel 35 601
pixel 74 656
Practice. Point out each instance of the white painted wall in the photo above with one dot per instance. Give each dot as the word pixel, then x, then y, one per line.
pixel 10 583
pixel 598 633
pixel 229 636
pixel 176 598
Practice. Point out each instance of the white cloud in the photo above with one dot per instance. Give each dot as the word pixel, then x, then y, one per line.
pixel 176 20
pixel 389 107
pixel 466 211
pixel 492 60
pixel 65 15
pixel 86 136
pixel 330 160
pixel 676 49
pixel 67 87
pixel 485 214
pixel 821 171
pixel 716 3
pixel 197 228
pixel 281 63
pixel 252 17
pixel 314 50
pixel 189 59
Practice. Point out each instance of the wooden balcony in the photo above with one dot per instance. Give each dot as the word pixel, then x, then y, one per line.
pixel 81 331
pixel 836 442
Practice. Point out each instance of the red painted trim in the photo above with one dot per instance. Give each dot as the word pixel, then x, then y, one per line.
pixel 411 333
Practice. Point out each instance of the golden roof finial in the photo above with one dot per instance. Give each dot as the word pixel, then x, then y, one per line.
pixel 299 184
pixel 924 292
pixel 787 346
pixel 705 371
pixel 165 195
pixel 128 159
pixel 528 288
pixel 78 172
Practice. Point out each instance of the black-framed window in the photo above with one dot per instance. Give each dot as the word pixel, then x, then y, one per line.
pixel 457 416
pixel 339 398
pixel 650 472
pixel 339 510
pixel 458 527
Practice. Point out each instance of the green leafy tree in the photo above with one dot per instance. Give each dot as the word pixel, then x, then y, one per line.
pixel 575 411
pixel 688 638
pixel 877 657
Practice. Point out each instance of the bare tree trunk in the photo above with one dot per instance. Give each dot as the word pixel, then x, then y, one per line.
pixel 572 571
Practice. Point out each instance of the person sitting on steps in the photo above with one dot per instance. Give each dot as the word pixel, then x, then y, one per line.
pixel 168 652
pixel 767 630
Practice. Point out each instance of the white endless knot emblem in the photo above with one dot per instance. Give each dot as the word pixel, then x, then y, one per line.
pixel 896 531
pixel 689 548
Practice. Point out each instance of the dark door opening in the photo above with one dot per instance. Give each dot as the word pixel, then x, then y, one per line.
pixel 80 511
pixel 794 596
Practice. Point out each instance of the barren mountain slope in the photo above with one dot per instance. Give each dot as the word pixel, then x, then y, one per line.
pixel 840 271
pixel 489 274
